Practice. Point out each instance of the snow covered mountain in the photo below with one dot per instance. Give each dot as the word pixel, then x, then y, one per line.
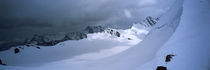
pixel 90 40
pixel 53 39
pixel 147 45
pixel 111 49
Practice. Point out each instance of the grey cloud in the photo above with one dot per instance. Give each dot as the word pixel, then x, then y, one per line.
pixel 23 18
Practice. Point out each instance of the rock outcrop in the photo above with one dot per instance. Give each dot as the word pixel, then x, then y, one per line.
pixel 1 63
pixel 169 57
pixel 161 68
pixel 149 21
pixel 53 39
pixel 113 32
pixel 16 50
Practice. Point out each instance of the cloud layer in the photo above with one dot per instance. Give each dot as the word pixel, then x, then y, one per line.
pixel 23 18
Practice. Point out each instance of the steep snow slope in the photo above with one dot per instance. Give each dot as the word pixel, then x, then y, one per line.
pixel 190 43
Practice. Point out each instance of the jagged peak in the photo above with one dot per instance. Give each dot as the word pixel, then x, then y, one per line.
pixel 149 21
pixel 94 29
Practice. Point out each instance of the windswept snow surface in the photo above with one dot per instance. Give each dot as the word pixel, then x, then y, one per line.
pixel 190 43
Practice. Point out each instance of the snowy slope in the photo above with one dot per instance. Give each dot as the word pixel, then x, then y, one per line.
pixel 190 43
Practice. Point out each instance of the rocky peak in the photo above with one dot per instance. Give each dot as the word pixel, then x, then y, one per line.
pixel 94 29
pixel 113 32
pixel 149 21
pixel 53 39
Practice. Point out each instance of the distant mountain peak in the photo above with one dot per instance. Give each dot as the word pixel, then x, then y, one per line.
pixel 53 39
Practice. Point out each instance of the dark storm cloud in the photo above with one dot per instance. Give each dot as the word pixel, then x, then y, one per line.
pixel 20 18
pixel 14 23
pixel 50 11
pixel 23 18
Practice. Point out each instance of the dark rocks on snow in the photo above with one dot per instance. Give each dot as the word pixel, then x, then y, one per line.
pixel 117 34
pixel 38 47
pixel 1 63
pixel 16 50
pixel 21 47
pixel 151 21
pixel 111 32
pixel 161 68
pixel 129 39
pixel 27 45
pixel 169 57
pixel 53 39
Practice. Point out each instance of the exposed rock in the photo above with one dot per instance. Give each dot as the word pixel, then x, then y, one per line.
pixel 129 39
pixel 28 45
pixel 46 39
pixel 16 50
pixel 169 57
pixel 113 32
pixel 117 34
pixel 161 68
pixel 53 39
pixel 150 21
pixel 1 63
pixel 38 47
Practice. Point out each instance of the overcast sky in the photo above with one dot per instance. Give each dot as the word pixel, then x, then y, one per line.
pixel 23 18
